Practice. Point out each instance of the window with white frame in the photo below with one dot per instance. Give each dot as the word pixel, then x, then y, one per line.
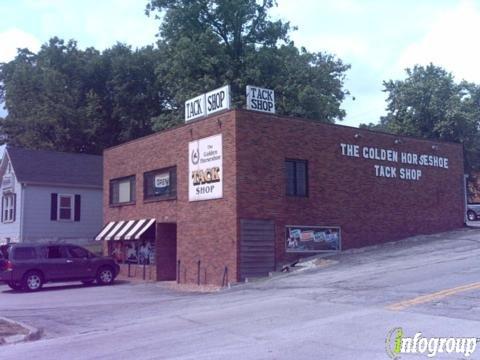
pixel 8 208
pixel 65 207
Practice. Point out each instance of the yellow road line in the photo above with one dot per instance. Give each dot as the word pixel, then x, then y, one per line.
pixel 433 296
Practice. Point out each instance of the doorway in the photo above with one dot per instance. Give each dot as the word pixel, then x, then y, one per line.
pixel 166 251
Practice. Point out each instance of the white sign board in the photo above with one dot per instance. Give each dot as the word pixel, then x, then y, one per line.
pixel 205 168
pixel 260 99
pixel 218 99
pixel 162 180
pixel 195 108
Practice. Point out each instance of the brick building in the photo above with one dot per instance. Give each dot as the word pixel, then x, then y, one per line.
pixel 240 193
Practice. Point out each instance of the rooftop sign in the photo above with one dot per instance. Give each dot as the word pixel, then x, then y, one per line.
pixel 207 104
pixel 260 99
pixel 218 100
pixel 195 108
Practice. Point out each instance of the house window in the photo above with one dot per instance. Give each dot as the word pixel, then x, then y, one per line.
pixel 160 184
pixel 65 207
pixel 8 208
pixel 122 191
pixel 297 177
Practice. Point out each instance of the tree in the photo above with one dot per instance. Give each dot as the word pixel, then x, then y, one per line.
pixel 210 43
pixel 68 99
pixel 431 105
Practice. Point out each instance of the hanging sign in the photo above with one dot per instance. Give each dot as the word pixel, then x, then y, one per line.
pixel 161 183
pixel 260 99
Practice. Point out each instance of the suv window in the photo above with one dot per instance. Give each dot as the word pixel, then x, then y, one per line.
pixel 56 252
pixel 4 251
pixel 78 252
pixel 24 253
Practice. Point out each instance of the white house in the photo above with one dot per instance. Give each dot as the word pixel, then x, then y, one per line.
pixel 50 196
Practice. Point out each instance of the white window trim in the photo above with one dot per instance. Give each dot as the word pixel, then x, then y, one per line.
pixel 72 207
pixel 6 196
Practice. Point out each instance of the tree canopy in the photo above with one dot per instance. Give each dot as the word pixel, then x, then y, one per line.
pixel 68 99
pixel 209 43
pixel 431 105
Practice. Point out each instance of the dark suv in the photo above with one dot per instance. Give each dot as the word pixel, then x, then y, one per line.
pixel 29 266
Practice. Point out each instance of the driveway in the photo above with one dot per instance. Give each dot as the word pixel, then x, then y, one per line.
pixel 428 284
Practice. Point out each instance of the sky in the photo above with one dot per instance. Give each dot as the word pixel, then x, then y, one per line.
pixel 378 38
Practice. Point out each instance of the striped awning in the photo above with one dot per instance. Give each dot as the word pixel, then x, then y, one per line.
pixel 125 230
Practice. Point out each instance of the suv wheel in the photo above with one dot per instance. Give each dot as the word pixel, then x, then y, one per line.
pixel 32 281
pixel 471 216
pixel 105 276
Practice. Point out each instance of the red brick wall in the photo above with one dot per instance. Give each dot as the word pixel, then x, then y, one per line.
pixel 343 191
pixel 206 230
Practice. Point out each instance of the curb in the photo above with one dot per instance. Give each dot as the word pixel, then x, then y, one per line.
pixel 33 333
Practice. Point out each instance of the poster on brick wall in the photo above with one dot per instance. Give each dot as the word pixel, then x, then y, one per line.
pixel 312 239
pixel 205 168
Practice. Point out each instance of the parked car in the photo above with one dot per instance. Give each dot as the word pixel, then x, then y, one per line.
pixel 29 266
pixel 473 211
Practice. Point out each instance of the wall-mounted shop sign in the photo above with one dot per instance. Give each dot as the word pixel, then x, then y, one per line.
pixel 312 238
pixel 391 158
pixel 207 104
pixel 205 168
pixel 260 99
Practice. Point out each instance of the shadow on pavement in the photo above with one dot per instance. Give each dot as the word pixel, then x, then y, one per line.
pixel 58 287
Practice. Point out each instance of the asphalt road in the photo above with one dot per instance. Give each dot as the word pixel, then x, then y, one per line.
pixel 342 311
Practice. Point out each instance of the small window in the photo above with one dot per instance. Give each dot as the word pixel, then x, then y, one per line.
pixel 297 177
pixel 160 184
pixel 24 253
pixel 122 191
pixel 65 207
pixel 8 208
pixel 78 252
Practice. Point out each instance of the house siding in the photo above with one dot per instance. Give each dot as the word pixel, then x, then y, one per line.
pixel 37 225
pixel 11 230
